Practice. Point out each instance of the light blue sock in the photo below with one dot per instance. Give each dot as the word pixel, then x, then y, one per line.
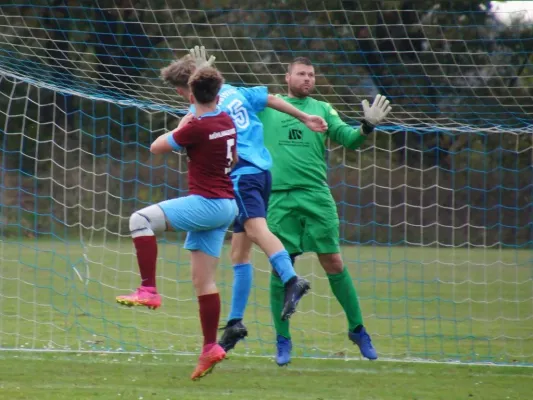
pixel 281 262
pixel 242 284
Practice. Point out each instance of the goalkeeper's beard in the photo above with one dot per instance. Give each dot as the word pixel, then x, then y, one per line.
pixel 300 91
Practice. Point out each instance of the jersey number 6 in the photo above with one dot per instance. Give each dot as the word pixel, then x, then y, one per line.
pixel 229 155
pixel 239 114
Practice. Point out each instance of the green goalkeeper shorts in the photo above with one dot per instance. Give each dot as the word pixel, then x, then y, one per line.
pixel 305 220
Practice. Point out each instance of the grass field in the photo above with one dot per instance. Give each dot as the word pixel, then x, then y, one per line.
pixel 422 303
pixel 110 376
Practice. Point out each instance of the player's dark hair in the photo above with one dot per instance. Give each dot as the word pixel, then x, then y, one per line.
pixel 179 72
pixel 299 60
pixel 205 84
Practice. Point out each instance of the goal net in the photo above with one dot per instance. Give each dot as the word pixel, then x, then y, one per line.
pixel 435 208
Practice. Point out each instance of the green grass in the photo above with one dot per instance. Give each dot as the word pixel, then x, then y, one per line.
pixel 110 376
pixel 428 303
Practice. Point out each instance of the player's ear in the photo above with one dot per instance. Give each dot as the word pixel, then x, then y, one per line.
pixel 217 99
pixel 191 98
pixel 287 76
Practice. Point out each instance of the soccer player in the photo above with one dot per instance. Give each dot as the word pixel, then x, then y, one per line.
pixel 252 181
pixel 302 212
pixel 209 138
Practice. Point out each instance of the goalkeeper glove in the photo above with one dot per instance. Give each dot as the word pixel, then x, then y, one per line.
pixel 199 56
pixel 374 114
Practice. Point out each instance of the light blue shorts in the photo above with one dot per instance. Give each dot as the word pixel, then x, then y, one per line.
pixel 205 221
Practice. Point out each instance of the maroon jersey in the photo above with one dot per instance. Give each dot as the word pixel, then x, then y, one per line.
pixel 210 142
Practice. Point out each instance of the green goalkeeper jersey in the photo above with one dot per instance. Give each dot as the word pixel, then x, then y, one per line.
pixel 298 153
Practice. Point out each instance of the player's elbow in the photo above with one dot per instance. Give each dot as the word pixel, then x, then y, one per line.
pixel 156 148
pixel 164 144
pixel 160 146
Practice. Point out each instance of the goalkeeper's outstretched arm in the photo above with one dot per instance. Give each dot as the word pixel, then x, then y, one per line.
pixel 342 133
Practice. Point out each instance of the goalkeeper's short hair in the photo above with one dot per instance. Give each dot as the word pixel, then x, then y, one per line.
pixel 299 60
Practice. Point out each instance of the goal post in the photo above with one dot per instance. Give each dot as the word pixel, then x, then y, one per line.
pixel 435 208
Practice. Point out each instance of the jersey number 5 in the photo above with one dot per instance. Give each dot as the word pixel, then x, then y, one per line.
pixel 230 143
pixel 238 114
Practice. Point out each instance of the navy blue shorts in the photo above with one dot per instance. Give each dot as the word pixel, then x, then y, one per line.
pixel 252 192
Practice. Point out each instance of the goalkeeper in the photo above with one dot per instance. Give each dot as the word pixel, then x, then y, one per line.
pixel 302 211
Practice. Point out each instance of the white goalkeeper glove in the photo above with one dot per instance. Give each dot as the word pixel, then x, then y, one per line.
pixel 374 114
pixel 199 56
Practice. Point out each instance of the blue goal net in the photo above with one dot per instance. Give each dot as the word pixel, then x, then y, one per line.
pixel 435 208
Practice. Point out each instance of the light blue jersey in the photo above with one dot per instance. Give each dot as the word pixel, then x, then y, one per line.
pixel 243 104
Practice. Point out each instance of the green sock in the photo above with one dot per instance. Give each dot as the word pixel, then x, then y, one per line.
pixel 344 290
pixel 277 296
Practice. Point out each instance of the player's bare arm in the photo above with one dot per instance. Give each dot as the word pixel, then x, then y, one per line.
pixel 188 117
pixel 313 122
pixel 161 145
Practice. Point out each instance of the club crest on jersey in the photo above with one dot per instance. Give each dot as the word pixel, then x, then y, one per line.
pixel 295 134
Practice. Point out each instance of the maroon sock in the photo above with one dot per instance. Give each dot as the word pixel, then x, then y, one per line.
pixel 146 247
pixel 209 316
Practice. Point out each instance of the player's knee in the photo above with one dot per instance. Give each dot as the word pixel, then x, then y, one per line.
pixel 203 270
pixel 254 235
pixel 203 284
pixel 332 263
pixel 241 248
pixel 198 281
pixel 149 221
pixel 140 225
pixel 256 229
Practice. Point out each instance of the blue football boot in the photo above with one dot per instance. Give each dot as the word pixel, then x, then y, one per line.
pixel 284 346
pixel 362 339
